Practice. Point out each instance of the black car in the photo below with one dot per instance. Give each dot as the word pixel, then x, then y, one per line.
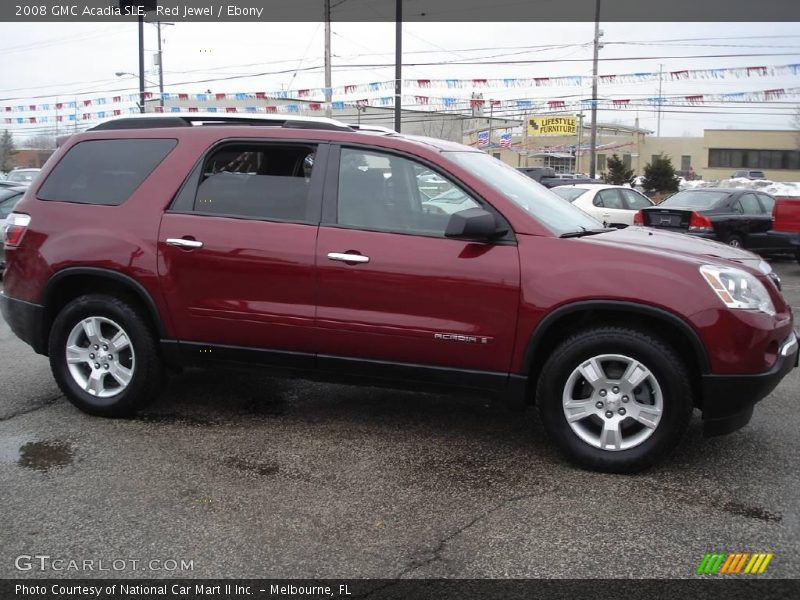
pixel 737 217
pixel 9 196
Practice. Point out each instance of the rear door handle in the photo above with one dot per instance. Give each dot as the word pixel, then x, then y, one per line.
pixel 184 243
pixel 349 258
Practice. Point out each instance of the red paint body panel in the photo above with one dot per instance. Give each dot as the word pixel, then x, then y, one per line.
pixel 412 288
pixel 786 215
pixel 251 284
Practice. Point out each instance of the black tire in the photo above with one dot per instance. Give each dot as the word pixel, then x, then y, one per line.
pixel 147 370
pixel 735 240
pixel 671 375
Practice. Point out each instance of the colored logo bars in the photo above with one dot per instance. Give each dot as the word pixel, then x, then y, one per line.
pixel 721 563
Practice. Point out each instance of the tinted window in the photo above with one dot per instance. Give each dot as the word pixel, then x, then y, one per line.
pixel 634 200
pixel 257 182
pixel 694 199
pixel 768 202
pixel 750 204
pixel 383 192
pixel 104 171
pixel 610 199
pixel 568 193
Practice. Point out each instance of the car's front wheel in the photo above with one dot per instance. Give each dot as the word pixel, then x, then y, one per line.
pixel 615 399
pixel 104 356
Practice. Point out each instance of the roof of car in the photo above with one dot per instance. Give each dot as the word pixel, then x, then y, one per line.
pixel 595 186
pixel 291 125
pixel 721 189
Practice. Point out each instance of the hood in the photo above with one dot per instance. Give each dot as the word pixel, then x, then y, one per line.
pixel 681 244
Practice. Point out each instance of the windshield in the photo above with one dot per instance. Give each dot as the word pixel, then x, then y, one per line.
pixel 553 211
pixel 568 193
pixel 695 199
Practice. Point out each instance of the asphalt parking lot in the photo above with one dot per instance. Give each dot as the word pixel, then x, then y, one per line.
pixel 248 476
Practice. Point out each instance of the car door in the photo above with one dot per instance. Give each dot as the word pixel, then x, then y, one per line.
pixel 612 208
pixel 236 250
pixel 755 222
pixel 395 295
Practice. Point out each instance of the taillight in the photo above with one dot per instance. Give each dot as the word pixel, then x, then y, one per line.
pixel 638 218
pixel 698 222
pixel 15 228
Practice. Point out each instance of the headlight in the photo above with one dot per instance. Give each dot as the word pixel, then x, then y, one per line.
pixel 738 289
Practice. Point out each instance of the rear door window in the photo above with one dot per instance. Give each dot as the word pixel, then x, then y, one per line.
pixel 610 199
pixel 634 200
pixel 750 205
pixel 256 181
pixel 104 171
pixel 768 202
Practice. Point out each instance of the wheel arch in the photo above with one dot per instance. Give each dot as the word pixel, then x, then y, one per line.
pixel 71 282
pixel 561 322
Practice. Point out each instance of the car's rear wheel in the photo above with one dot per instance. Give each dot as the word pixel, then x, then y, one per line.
pixel 104 356
pixel 615 399
pixel 734 241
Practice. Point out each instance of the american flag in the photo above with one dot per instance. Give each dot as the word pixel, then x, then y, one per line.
pixel 483 138
pixel 505 140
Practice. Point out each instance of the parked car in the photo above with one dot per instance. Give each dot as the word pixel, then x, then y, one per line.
pixel 738 217
pixel 9 197
pixel 749 174
pixel 22 176
pixel 452 201
pixel 5 184
pixel 613 205
pixel 548 177
pixel 786 223
pixel 155 242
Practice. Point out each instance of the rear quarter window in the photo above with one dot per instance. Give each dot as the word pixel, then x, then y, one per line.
pixel 104 171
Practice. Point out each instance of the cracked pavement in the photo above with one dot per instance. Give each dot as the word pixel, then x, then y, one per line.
pixel 250 476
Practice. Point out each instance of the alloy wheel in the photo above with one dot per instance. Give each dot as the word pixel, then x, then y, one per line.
pixel 100 356
pixel 612 402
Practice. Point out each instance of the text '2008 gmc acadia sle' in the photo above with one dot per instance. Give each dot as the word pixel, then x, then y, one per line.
pixel 316 249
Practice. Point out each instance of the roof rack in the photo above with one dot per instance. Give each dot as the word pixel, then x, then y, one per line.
pixel 154 121
pixel 375 128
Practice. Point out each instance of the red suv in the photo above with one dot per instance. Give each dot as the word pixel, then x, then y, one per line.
pixel 311 248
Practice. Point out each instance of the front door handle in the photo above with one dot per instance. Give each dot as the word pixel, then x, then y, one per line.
pixel 348 258
pixel 184 243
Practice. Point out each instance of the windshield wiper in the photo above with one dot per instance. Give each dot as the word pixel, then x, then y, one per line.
pixel 584 231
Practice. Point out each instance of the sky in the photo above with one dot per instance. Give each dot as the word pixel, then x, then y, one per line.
pixel 52 62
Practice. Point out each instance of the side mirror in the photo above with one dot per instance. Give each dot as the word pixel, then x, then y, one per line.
pixel 473 224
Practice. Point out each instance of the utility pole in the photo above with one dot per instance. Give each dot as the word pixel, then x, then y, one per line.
pixel 160 68
pixel 491 119
pixel 328 90
pixel 593 142
pixel 660 80
pixel 141 63
pixel 398 65
pixel 580 138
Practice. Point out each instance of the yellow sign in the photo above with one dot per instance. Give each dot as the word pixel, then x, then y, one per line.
pixel 552 126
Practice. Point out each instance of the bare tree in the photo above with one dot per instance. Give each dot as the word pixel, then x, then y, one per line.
pixel 7 151
pixel 796 125
pixel 42 141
